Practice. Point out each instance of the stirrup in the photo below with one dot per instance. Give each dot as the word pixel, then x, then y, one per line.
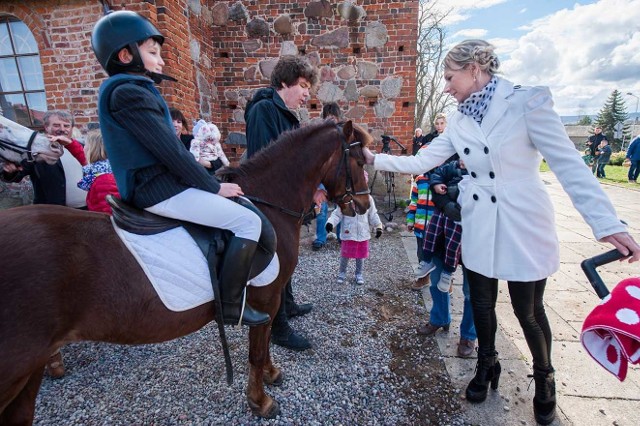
pixel 244 303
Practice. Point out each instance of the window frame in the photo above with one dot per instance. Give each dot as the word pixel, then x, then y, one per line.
pixel 33 122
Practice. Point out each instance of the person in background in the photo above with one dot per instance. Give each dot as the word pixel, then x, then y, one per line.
pixel 181 126
pixel 54 184
pixel 420 210
pixel 330 111
pixel 418 141
pixel 97 179
pixel 439 124
pixel 206 148
pixel 633 155
pixel 441 248
pixel 267 116
pixel 602 158
pixel 593 143
pixel 355 235
pixel 502 131
pixel 420 189
pixel 445 221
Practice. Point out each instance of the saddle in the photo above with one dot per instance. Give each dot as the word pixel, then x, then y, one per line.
pixel 209 240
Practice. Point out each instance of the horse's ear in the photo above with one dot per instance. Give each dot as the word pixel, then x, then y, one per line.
pixel 347 129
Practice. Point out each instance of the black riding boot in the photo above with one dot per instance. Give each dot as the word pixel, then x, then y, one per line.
pixel 233 280
pixel 487 370
pixel 544 402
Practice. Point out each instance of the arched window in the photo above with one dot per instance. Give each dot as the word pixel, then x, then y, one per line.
pixel 22 94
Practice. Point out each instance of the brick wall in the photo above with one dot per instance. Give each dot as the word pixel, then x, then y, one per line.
pixel 394 59
pixel 218 62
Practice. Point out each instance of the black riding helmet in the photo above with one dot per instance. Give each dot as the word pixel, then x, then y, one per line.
pixel 120 29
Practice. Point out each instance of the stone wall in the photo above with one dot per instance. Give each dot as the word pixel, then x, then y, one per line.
pixel 222 50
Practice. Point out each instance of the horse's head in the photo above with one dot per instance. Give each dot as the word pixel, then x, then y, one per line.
pixel 347 186
pixel 18 143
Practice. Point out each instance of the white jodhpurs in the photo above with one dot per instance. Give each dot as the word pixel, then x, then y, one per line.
pixel 205 208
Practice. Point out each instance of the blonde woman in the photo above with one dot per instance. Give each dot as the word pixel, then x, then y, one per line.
pixel 501 131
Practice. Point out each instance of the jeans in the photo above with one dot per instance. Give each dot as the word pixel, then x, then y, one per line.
pixel 634 170
pixel 321 222
pixel 440 313
pixel 600 170
pixel 467 326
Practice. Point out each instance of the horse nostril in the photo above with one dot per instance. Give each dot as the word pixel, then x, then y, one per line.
pixel 56 147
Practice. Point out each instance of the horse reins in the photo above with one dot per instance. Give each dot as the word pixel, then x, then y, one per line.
pixel 297 215
pixel 10 146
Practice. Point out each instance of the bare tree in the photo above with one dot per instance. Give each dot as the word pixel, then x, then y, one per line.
pixel 430 98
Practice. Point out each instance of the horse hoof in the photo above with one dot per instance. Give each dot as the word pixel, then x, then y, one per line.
pixel 270 413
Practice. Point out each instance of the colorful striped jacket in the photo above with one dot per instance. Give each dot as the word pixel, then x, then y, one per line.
pixel 421 207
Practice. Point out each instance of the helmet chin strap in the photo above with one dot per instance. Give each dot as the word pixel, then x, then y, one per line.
pixel 157 77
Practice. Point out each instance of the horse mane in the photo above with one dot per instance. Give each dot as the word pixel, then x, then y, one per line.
pixel 277 148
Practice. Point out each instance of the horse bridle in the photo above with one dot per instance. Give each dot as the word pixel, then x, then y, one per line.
pixel 348 195
pixel 10 146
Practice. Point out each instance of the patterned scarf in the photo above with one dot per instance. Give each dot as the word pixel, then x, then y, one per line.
pixel 476 105
pixel 92 171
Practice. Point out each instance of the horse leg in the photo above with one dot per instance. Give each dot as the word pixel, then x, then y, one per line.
pixel 261 404
pixel 21 409
pixel 271 374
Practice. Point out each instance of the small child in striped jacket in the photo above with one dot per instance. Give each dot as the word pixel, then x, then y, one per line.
pixel 420 210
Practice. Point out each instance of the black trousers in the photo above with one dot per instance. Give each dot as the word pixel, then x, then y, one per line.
pixel 527 303
pixel 281 321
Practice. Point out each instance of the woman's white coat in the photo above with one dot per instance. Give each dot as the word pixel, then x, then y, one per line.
pixel 507 216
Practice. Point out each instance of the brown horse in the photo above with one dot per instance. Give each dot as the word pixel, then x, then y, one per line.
pixel 65 275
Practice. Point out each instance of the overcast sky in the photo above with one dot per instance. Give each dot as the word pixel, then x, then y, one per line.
pixel 582 50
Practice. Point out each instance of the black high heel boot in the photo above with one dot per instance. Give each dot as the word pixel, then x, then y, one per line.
pixel 487 371
pixel 233 280
pixel 544 401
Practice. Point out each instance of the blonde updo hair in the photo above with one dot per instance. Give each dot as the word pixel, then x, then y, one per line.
pixel 473 51
pixel 439 116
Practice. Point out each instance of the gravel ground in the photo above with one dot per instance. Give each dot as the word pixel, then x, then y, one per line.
pixel 368 366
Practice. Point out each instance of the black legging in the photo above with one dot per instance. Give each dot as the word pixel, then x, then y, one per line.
pixel 527 303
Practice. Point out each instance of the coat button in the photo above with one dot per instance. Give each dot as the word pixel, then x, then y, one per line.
pixel 493 199
pixel 486 150
pixel 467 151
pixel 475 197
pixel 492 175
pixel 473 174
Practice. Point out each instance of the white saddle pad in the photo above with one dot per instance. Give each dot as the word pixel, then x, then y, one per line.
pixel 178 270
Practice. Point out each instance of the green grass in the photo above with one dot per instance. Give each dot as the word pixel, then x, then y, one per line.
pixel 616 175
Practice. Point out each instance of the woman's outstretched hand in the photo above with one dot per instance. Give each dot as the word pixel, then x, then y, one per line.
pixel 228 190
pixel 625 245
pixel 368 155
